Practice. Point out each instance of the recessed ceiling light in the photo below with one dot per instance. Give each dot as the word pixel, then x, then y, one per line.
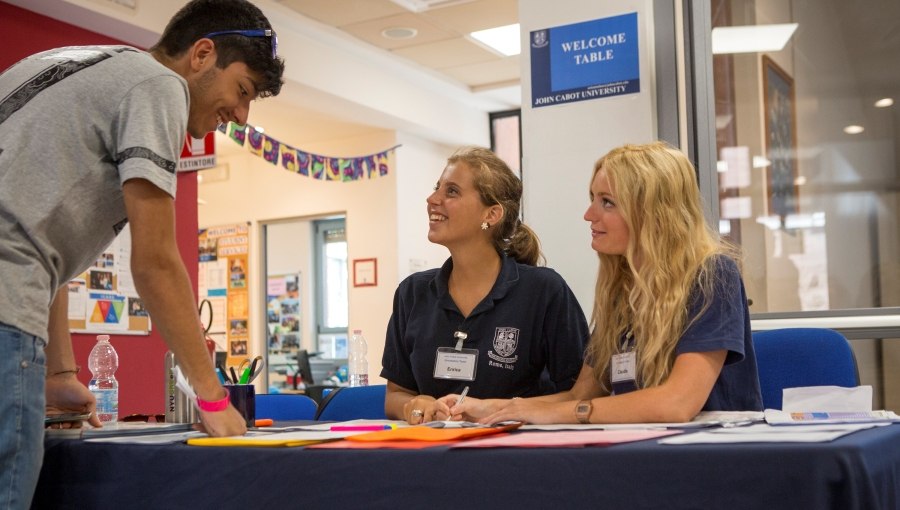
pixel 884 103
pixel 504 39
pixel 399 33
pixel 854 129
pixel 751 38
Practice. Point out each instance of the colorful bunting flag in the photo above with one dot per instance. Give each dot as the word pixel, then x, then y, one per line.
pixel 270 150
pixel 255 141
pixel 316 166
pixel 237 133
pixel 289 158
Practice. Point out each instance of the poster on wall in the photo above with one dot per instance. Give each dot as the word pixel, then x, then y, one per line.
pixel 223 280
pixel 587 60
pixel 283 320
pixel 103 298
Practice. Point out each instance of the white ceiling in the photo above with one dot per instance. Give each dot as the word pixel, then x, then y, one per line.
pixel 441 42
pixel 388 85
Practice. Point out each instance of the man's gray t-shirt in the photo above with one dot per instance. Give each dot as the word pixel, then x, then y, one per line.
pixel 75 124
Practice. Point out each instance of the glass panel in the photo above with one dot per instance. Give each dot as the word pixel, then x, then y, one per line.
pixel 336 303
pixel 807 144
pixel 505 138
pixel 333 299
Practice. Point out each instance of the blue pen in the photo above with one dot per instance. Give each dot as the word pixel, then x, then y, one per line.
pixel 223 377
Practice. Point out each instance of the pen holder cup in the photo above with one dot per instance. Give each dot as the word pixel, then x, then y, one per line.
pixel 243 398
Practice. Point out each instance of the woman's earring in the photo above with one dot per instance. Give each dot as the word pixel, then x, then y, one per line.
pixel 484 225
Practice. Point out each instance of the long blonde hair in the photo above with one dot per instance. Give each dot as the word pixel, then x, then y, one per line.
pixel 656 192
pixel 497 184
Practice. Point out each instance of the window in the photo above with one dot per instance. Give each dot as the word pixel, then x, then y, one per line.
pixel 332 276
pixel 806 179
pixel 506 138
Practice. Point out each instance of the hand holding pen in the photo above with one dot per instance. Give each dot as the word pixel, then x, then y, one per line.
pixel 459 400
pixel 440 409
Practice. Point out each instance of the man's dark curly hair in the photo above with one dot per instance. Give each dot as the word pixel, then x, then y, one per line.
pixel 201 17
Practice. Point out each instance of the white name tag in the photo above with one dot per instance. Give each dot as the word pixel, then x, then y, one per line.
pixel 458 365
pixel 623 367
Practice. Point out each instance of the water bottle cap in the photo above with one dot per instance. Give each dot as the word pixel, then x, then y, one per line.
pixel 103 338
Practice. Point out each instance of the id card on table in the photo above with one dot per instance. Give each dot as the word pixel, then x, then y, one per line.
pixel 455 364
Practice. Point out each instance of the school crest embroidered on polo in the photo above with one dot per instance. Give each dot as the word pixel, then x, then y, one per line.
pixel 505 341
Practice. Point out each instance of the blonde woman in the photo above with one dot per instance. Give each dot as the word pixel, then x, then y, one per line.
pixel 490 319
pixel 671 328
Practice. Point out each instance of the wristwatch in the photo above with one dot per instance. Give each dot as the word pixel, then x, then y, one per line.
pixel 583 411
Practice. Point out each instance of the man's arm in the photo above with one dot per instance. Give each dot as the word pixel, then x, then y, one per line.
pixel 63 390
pixel 163 284
pixel 60 356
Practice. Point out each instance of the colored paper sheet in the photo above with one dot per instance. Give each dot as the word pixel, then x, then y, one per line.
pixel 434 433
pixel 373 445
pixel 565 439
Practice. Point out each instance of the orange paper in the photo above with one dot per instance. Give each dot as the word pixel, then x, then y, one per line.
pixel 426 433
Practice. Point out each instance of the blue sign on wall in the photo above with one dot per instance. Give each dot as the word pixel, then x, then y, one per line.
pixel 585 60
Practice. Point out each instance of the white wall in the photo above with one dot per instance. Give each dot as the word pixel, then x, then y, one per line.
pixel 420 164
pixel 257 191
pixel 561 143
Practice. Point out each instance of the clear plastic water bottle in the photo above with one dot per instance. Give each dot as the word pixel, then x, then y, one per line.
pixel 103 363
pixel 358 364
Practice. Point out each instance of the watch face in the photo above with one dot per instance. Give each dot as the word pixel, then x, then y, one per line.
pixel 583 411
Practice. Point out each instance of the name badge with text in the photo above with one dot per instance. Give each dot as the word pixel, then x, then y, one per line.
pixel 623 367
pixel 455 364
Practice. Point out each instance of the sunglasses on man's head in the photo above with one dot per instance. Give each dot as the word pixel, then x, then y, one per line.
pixel 260 32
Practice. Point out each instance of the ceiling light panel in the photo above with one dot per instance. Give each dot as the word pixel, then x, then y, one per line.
pixel 751 38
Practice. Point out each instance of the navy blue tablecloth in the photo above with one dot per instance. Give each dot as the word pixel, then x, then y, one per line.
pixel 858 471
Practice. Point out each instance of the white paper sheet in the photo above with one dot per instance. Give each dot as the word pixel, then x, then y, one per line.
pixel 827 398
pixel 763 433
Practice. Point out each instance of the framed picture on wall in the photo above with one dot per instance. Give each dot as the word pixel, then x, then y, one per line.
pixel 365 272
pixel 781 139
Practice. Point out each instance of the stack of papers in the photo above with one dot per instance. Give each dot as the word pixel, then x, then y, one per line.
pixel 302 435
pixel 129 432
pixel 776 417
pixel 763 433
pixel 706 419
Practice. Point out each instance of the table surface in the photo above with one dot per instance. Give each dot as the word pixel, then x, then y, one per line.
pixel 857 471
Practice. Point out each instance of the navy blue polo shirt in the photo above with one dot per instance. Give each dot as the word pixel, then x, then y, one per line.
pixel 723 325
pixel 532 306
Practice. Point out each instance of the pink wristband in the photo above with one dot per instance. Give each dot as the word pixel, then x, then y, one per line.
pixel 214 406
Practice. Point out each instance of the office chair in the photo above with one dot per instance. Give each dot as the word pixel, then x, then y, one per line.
pixel 278 406
pixel 360 402
pixel 795 357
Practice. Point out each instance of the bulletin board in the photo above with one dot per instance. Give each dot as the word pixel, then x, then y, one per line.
pixel 223 280
pixel 283 321
pixel 103 298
